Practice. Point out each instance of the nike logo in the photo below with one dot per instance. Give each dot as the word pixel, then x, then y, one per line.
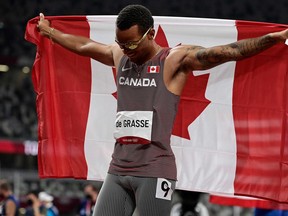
pixel 125 69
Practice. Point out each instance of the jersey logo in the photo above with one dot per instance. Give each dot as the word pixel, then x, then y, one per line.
pixel 125 69
pixel 153 69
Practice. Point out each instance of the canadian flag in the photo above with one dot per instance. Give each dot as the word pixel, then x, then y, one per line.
pixel 153 69
pixel 230 133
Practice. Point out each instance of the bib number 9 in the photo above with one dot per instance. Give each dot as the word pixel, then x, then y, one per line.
pixel 164 189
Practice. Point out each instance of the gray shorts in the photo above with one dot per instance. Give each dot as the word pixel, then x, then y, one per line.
pixel 122 195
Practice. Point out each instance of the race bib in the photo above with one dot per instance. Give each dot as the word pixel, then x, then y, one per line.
pixel 133 127
pixel 164 189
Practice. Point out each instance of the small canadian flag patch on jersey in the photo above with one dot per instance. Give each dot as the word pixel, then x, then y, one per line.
pixel 153 69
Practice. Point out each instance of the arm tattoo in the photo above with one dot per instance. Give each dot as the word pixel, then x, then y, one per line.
pixel 235 51
pixel 254 46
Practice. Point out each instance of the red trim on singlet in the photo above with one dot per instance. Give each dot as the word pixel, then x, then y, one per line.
pixel 133 140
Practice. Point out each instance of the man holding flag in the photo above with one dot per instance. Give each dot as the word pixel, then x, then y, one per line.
pixel 150 79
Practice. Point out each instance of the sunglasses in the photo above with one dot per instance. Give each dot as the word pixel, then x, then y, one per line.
pixel 133 44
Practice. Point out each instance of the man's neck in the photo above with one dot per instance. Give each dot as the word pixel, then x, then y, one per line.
pixel 155 49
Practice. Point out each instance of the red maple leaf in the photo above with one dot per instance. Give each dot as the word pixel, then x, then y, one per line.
pixel 192 101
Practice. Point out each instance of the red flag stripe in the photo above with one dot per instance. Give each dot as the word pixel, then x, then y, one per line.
pixel 259 129
pixel 59 99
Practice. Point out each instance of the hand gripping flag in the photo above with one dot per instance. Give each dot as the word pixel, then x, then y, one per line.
pixel 230 133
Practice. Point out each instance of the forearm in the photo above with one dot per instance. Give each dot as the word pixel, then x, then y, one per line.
pixel 242 49
pixel 68 41
pixel 80 45
pixel 249 47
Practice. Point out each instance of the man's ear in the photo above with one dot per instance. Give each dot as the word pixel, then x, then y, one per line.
pixel 151 34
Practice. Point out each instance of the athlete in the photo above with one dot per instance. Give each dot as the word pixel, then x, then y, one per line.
pixel 10 205
pixel 150 80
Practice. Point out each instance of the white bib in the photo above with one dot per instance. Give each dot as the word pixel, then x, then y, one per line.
pixel 133 127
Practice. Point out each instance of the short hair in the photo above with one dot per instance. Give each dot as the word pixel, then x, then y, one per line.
pixel 34 192
pixel 4 185
pixel 135 15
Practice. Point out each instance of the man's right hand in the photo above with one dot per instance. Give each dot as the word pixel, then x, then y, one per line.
pixel 44 26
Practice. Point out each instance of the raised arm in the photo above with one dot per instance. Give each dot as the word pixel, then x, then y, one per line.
pixel 199 58
pixel 106 54
pixel 186 58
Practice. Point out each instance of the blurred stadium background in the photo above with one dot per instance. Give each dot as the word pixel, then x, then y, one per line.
pixel 18 118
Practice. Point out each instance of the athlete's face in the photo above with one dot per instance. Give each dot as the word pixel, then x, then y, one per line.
pixel 133 43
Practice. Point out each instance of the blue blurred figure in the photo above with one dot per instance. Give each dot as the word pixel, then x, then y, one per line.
pixel 87 205
pixel 9 205
pixel 47 203
pixel 270 212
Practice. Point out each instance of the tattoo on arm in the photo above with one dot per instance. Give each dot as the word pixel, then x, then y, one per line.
pixel 211 57
pixel 254 46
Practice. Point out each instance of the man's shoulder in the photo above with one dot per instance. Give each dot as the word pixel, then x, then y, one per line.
pixel 175 54
pixel 11 200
